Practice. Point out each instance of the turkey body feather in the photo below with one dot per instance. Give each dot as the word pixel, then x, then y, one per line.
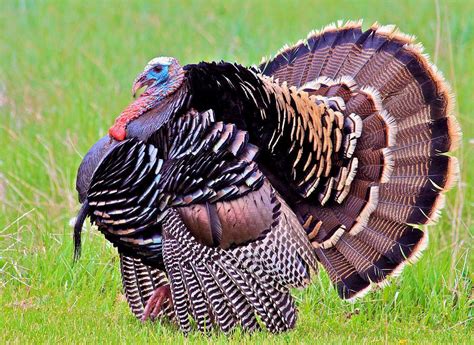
pixel 232 186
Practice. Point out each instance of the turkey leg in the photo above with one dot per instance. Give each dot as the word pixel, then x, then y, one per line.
pixel 156 302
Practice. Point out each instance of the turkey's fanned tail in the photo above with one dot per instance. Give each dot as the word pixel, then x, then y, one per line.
pixel 402 170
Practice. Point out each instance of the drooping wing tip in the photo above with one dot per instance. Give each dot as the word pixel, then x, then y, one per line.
pixel 81 217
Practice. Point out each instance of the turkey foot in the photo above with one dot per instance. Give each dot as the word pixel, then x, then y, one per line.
pixel 156 302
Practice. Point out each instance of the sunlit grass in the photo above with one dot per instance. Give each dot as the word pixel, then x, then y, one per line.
pixel 65 73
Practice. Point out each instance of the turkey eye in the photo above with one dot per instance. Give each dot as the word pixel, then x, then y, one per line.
pixel 157 69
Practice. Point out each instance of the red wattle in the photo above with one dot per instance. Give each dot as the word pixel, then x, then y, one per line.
pixel 118 132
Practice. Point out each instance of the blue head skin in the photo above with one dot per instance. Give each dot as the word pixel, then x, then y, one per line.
pixel 155 76
pixel 161 77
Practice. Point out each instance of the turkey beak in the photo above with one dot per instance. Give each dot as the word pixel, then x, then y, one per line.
pixel 140 82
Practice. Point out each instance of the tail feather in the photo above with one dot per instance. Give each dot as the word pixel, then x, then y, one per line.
pixel 369 263
pixel 369 50
pixel 349 283
pixel 365 102
pixel 341 49
pixel 385 234
pixel 383 77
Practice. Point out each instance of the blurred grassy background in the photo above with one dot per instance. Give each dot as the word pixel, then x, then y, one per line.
pixel 66 69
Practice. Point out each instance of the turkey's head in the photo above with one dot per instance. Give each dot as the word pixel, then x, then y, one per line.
pixel 161 77
pixel 155 76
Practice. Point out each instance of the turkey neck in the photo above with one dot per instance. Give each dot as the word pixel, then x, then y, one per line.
pixel 149 100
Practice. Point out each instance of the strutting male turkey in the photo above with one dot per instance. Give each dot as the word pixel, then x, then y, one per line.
pixel 223 186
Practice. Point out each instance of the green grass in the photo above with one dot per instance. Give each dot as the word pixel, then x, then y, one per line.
pixel 65 73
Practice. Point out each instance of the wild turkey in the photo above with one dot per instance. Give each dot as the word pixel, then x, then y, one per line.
pixel 231 183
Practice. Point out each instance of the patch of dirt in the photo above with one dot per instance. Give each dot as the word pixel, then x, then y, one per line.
pixel 26 304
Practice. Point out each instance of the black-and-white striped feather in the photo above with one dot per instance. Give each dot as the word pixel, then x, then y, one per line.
pixel 139 281
pixel 238 285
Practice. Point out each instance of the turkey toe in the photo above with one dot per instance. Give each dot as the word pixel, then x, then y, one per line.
pixel 156 303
